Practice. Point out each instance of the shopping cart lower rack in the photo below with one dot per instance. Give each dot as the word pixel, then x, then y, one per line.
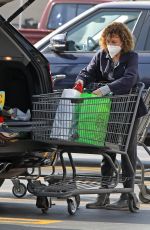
pixel 88 126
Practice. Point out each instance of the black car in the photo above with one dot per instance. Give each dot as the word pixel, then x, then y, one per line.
pixel 24 71
pixel 71 47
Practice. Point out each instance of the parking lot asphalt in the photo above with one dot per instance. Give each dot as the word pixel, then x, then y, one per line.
pixel 22 213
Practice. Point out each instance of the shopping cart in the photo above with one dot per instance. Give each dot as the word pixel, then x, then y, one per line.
pixel 143 130
pixel 98 126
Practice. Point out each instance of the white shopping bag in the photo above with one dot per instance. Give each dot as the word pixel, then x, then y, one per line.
pixel 64 115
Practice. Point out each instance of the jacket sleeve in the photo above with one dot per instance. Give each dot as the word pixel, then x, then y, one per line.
pixel 129 78
pixel 92 71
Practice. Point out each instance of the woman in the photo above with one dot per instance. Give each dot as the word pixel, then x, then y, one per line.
pixel 116 64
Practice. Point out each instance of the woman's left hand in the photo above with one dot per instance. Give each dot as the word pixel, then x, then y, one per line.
pixel 98 92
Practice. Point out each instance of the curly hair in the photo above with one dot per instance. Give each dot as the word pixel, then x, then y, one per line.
pixel 120 29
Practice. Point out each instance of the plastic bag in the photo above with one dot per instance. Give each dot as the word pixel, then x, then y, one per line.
pixel 18 115
pixel 93 119
pixel 64 118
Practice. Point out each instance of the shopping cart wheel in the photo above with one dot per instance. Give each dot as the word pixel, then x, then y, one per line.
pixel 144 194
pixel 42 203
pixel 143 199
pixel 19 191
pixel 133 203
pixel 72 205
pixel 77 198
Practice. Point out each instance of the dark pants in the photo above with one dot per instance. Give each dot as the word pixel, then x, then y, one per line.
pixel 107 170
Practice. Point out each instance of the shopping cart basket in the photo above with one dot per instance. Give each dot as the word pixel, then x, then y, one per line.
pixel 115 119
pixel 143 130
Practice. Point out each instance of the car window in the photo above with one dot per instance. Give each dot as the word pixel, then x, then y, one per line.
pixel 62 13
pixel 85 36
pixel 82 7
pixel 147 43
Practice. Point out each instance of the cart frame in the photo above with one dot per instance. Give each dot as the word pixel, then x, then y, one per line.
pixel 143 130
pixel 64 186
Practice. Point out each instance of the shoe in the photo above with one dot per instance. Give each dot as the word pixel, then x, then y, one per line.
pixel 121 204
pixel 102 200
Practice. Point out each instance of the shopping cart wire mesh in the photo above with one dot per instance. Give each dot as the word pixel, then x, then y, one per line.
pixel 94 121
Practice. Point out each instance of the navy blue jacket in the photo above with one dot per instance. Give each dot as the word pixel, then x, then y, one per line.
pixel 123 77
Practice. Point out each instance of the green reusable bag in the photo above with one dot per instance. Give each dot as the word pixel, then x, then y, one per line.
pixel 93 116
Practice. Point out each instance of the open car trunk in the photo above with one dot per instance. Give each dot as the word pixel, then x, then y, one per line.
pixel 24 71
pixel 17 83
pixel 21 151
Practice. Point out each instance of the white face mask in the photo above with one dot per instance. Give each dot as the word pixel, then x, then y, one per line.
pixel 113 50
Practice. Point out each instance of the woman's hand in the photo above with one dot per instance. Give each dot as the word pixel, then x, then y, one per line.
pixel 79 81
pixel 98 92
